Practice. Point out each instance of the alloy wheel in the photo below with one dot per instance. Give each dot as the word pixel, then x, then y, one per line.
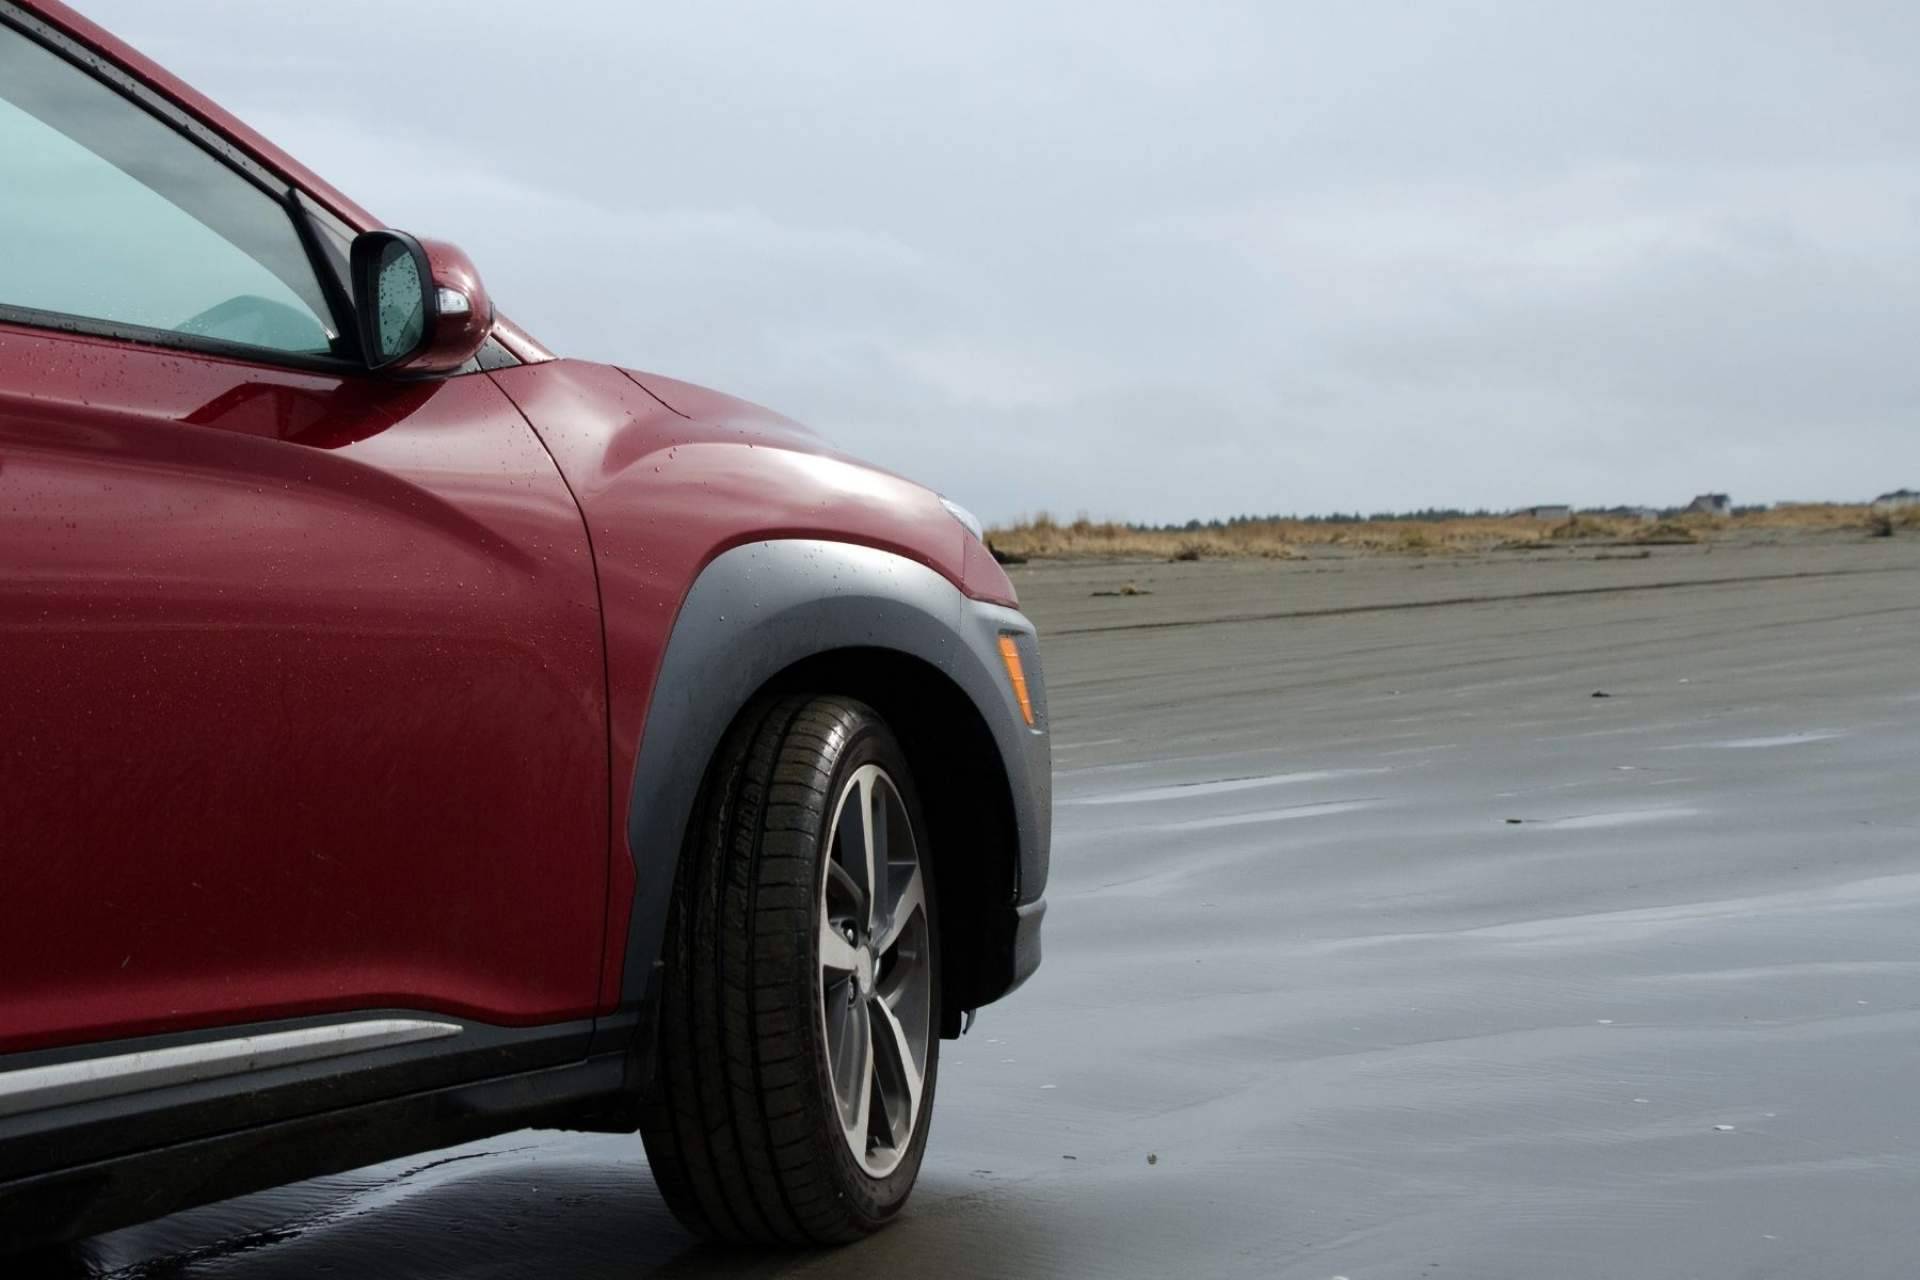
pixel 876 996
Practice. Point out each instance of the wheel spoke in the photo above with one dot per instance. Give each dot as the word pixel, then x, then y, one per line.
pixel 911 900
pixel 839 879
pixel 836 953
pixel 873 848
pixel 851 864
pixel 855 1081
pixel 896 1075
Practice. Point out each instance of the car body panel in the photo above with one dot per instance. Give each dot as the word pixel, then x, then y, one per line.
pixel 664 494
pixel 525 348
pixel 275 624
pixel 338 700
pixel 977 573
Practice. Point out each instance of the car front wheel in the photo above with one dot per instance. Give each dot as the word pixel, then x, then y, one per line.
pixel 798 1045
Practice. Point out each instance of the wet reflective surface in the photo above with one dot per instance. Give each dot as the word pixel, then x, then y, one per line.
pixel 1485 977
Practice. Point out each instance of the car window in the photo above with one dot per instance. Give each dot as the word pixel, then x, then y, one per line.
pixel 109 214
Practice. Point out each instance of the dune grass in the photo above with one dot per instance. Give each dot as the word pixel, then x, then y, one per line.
pixel 1042 537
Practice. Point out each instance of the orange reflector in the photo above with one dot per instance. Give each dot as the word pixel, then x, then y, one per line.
pixel 1017 676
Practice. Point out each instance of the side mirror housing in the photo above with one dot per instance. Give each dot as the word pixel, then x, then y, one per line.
pixel 419 304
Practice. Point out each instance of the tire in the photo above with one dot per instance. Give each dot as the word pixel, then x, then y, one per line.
pixel 752 1125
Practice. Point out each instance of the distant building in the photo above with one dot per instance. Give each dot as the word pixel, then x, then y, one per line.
pixel 1645 515
pixel 1553 511
pixel 1711 504
pixel 1898 500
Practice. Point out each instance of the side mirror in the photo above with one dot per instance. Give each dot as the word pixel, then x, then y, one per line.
pixel 419 304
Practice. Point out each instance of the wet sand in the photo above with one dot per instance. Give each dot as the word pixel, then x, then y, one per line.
pixel 1379 947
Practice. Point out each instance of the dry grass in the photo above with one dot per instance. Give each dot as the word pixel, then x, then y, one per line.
pixel 1041 537
pixel 1084 538
pixel 1809 515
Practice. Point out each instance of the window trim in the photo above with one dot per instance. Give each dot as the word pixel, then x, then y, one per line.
pixel 335 290
pixel 282 191
pixel 143 96
pixel 141 335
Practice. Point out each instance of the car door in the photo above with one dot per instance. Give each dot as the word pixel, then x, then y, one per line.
pixel 301 683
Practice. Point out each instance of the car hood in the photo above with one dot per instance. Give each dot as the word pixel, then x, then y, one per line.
pixel 704 404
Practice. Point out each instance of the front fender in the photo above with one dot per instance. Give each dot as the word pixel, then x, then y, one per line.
pixel 762 607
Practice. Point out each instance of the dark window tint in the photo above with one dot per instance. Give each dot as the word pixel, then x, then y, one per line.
pixel 107 213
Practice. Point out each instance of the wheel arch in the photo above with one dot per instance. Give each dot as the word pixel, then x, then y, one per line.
pixel 797 615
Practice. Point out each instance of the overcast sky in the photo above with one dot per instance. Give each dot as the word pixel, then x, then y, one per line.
pixel 1157 260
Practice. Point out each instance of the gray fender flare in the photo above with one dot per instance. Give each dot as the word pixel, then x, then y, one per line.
pixel 759 608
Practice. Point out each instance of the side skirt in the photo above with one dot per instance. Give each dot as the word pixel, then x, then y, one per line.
pixel 89 1166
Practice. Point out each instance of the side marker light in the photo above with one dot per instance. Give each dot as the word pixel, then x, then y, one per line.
pixel 1016 676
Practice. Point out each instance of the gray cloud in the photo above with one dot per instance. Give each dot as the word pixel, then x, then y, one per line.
pixel 1156 261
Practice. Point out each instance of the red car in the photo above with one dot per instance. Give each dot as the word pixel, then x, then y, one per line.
pixel 407 735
